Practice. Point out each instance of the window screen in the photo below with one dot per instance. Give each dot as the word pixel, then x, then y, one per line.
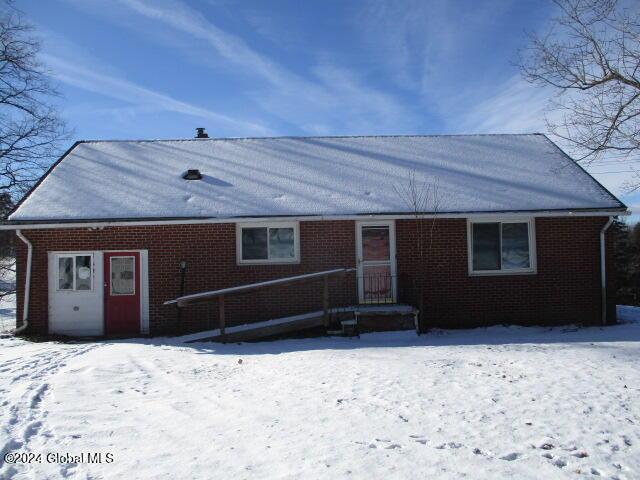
pixel 375 243
pixel 500 246
pixel 254 244
pixel 65 273
pixel 486 246
pixel 75 272
pixel 122 276
pixel 281 243
pixel 515 245
pixel 268 243
pixel 83 272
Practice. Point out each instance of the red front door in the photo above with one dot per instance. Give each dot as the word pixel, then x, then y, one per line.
pixel 122 292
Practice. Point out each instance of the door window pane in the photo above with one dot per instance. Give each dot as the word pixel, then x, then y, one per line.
pixel 375 243
pixel 122 276
pixel 377 284
pixel 254 244
pixel 83 272
pixel 515 245
pixel 281 243
pixel 65 273
pixel 486 246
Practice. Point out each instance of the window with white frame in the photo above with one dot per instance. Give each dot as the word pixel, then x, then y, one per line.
pixel 75 272
pixel 268 243
pixel 501 247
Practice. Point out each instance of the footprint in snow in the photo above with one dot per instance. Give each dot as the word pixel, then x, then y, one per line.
pixel 419 439
pixel 393 446
pixel 560 463
pixel 510 457
pixel 449 445
pixel 580 454
pixel 477 451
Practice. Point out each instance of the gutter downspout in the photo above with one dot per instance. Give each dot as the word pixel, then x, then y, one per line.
pixel 27 284
pixel 603 270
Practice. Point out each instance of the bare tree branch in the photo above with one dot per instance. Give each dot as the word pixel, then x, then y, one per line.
pixel 31 130
pixel 422 199
pixel 591 57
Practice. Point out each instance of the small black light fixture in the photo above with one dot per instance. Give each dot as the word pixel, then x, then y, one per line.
pixel 192 174
pixel 183 273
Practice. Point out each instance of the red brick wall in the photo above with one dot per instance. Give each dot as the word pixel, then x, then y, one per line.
pixel 210 251
pixel 565 289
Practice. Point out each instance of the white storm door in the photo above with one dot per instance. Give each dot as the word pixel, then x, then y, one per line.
pixel 376 260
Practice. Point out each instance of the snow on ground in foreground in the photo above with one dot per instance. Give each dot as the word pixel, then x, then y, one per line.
pixel 501 402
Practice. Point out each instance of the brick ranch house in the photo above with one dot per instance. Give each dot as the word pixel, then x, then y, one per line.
pixel 117 228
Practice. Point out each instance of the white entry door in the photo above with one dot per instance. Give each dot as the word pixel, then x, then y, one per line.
pixel 75 293
pixel 376 260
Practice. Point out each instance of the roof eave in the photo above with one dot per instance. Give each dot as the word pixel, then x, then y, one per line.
pixel 117 222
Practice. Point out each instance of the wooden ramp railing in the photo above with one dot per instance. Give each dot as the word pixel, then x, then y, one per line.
pixel 220 295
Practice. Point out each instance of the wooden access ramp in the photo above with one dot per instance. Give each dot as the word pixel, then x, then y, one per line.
pixel 260 330
pixel 346 319
pixel 269 328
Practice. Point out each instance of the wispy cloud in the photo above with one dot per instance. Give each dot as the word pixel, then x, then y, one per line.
pixel 179 16
pixel 131 93
pixel 426 46
pixel 516 107
pixel 328 97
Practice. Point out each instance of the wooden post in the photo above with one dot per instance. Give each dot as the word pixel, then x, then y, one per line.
pixel 221 311
pixel 325 300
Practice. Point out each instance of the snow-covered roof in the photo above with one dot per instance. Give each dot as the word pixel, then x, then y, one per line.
pixel 254 177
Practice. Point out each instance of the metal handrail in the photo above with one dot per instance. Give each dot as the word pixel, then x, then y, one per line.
pixel 204 296
pixel 220 294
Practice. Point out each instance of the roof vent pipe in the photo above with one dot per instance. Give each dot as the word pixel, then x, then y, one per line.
pixel 192 174
pixel 200 133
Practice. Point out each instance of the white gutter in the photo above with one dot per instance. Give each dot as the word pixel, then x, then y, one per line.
pixel 310 218
pixel 603 270
pixel 27 284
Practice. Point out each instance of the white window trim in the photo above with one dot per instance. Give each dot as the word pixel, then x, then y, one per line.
pixel 73 256
pixel 533 264
pixel 269 261
pixel 111 294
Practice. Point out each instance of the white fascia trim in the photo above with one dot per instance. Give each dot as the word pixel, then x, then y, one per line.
pixel 312 218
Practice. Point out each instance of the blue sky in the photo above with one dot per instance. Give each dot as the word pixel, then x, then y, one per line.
pixel 160 68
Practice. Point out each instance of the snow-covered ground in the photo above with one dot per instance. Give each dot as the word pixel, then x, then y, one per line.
pixel 500 402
